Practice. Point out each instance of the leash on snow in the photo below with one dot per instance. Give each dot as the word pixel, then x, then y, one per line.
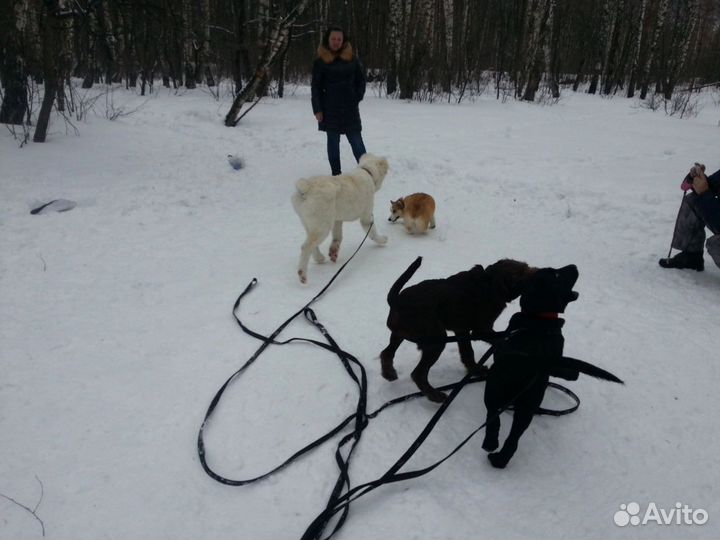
pixel 339 503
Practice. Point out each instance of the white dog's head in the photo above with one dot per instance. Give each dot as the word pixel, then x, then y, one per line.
pixel 376 166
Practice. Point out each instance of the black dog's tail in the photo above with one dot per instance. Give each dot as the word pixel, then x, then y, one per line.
pixel 573 364
pixel 401 281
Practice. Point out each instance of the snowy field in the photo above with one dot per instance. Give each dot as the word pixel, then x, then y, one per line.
pixel 116 326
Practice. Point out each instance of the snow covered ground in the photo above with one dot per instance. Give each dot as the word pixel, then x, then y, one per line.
pixel 116 327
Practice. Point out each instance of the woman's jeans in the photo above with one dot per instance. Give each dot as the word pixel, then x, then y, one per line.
pixel 333 148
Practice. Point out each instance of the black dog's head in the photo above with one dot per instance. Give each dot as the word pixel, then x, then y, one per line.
pixel 549 290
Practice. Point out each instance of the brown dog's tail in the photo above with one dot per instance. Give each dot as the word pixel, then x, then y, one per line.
pixel 567 364
pixel 401 281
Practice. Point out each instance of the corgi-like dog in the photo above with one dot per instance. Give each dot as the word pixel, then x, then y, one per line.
pixel 417 212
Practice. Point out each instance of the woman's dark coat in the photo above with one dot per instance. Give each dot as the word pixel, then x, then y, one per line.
pixel 338 85
pixel 708 204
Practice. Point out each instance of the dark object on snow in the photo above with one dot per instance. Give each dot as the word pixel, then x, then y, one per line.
pixel 235 162
pixel 465 303
pixel 529 356
pixel 58 205
pixel 684 259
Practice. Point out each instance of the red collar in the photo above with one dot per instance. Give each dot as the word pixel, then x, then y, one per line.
pixel 544 315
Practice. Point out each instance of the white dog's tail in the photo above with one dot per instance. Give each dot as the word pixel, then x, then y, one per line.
pixel 303 185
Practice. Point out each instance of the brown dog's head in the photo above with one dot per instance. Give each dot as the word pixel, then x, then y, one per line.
pixel 397 208
pixel 508 277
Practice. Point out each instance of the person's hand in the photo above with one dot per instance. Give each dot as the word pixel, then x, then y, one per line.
pixel 319 116
pixel 700 184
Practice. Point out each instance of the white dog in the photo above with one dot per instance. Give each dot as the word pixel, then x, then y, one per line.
pixel 324 202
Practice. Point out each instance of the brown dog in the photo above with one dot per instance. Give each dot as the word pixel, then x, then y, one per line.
pixel 465 303
pixel 417 212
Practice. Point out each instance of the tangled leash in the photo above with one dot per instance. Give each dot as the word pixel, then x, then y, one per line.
pixel 342 494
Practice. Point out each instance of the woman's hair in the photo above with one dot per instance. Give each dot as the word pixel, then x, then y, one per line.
pixel 330 30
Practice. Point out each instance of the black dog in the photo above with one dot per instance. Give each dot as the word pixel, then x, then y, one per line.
pixel 466 303
pixel 530 354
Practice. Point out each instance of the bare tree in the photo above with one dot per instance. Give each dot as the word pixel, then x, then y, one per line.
pixel 612 10
pixel 684 33
pixel 550 50
pixel 50 44
pixel 278 36
pixel 659 24
pixel 538 12
pixel 416 48
pixel 394 44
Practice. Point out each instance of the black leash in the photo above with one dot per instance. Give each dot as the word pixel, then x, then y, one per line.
pixel 267 341
pixel 392 475
pixel 337 502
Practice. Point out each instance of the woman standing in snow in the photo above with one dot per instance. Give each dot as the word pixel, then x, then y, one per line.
pixel 338 86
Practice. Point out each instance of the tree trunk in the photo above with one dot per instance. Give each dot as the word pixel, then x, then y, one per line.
pixel 394 45
pixel 189 45
pixel 685 34
pixel 277 39
pixel 416 49
pixel 579 75
pixel 283 65
pixel 659 24
pixel 632 82
pixel 538 13
pixel 265 11
pixel 202 30
pixel 612 32
pixel 446 30
pixel 549 49
pixel 12 71
pixel 595 78
pixel 50 45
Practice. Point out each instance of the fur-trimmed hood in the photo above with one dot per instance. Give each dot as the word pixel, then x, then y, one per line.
pixel 345 53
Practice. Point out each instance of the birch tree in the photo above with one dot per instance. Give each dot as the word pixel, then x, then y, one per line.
pixel 632 81
pixel 394 44
pixel 538 14
pixel 684 33
pixel 416 49
pixel 659 25
pixel 278 36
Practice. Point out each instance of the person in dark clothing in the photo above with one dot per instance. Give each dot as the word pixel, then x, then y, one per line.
pixel 338 86
pixel 700 208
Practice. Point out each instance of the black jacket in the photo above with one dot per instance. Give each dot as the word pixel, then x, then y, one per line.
pixel 708 204
pixel 338 85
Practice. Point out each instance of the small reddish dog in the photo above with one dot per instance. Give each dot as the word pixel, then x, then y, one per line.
pixel 417 212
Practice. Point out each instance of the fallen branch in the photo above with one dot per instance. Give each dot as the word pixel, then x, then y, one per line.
pixel 693 88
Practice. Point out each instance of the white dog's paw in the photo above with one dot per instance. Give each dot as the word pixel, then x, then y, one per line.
pixel 334 250
pixel 319 258
pixel 303 276
pixel 382 240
